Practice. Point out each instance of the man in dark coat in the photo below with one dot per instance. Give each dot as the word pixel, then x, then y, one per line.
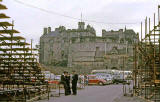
pixel 68 83
pixel 64 82
pixel 74 82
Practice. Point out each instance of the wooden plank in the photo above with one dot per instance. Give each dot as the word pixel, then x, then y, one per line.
pixel 2 7
pixel 8 31
pixel 2 16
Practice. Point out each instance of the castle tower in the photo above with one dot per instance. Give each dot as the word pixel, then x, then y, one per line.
pixel 81 25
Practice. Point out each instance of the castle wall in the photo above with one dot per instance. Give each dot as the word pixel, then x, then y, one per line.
pixel 92 52
pixel 81 47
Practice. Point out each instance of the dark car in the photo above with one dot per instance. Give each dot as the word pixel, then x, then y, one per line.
pixel 119 79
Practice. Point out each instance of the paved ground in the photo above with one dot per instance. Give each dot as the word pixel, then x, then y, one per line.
pixel 128 99
pixel 108 93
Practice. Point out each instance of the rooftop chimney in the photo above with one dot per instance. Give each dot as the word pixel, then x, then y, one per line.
pixel 45 31
pixel 49 29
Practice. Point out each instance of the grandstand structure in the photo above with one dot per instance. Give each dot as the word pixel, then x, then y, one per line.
pixel 147 62
pixel 20 73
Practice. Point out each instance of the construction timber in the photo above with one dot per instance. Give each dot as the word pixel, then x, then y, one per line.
pixel 147 62
pixel 21 79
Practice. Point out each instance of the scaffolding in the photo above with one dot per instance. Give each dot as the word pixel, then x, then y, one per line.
pixel 20 73
pixel 147 62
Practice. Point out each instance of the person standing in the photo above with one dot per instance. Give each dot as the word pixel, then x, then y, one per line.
pixel 86 79
pixel 64 82
pixel 68 83
pixel 74 82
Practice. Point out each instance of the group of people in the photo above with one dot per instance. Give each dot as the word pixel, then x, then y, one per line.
pixel 66 79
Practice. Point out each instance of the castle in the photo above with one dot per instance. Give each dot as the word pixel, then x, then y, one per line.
pixel 81 47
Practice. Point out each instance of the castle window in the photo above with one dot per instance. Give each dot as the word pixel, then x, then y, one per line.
pixel 62 53
pixel 122 40
pixel 97 49
pixel 73 40
pixel 82 39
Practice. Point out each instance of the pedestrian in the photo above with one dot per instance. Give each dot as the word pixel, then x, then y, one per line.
pixel 64 82
pixel 86 80
pixel 74 82
pixel 68 83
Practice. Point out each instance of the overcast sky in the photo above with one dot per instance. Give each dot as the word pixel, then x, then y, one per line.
pixel 30 21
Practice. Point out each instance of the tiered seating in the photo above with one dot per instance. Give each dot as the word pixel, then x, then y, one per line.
pixel 147 64
pixel 19 68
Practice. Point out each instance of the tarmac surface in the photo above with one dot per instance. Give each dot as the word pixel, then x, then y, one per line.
pixel 108 93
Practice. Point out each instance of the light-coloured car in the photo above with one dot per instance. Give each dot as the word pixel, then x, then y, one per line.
pixel 106 77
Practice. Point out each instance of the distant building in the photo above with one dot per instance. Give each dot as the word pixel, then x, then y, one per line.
pixel 81 47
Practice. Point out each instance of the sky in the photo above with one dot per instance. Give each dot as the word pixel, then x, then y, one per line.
pixel 31 16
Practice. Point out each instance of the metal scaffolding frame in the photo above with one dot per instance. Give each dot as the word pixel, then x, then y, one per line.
pixel 146 71
pixel 20 73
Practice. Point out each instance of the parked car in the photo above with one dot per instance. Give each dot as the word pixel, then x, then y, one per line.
pixel 119 79
pixel 53 82
pixel 106 77
pixel 94 80
pixel 109 78
pixel 57 77
pixel 56 80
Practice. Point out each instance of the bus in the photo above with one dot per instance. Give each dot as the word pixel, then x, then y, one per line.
pixel 114 73
pixel 105 71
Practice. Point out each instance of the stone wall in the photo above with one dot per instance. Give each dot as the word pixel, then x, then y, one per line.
pixel 82 48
